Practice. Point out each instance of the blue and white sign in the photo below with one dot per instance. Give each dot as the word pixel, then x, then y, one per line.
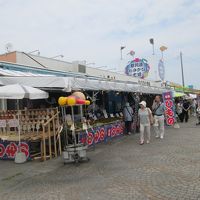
pixel 161 70
pixel 138 68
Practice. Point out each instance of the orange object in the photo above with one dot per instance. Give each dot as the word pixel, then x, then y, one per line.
pixel 72 100
pixel 62 101
pixel 87 102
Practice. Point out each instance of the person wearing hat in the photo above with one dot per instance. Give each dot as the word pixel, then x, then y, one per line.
pixel 128 117
pixel 145 121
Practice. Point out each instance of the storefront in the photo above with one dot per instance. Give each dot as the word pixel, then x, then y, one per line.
pixel 42 127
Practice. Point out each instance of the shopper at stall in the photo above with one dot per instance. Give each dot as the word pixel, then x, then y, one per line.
pixel 179 109
pixel 145 121
pixel 128 117
pixel 198 115
pixel 194 107
pixel 185 114
pixel 158 111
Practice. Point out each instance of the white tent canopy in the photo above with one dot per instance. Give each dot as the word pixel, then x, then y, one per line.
pixel 38 82
pixel 17 91
pixel 80 83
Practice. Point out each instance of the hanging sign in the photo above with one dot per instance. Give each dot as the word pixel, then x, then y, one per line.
pixel 138 68
pixel 161 70
pixel 169 108
pixel 2 123
pixel 13 123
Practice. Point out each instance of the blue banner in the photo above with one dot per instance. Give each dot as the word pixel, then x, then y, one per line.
pixel 102 133
pixel 8 149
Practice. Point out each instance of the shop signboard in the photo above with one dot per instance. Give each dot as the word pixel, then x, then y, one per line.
pixel 102 133
pixel 169 108
pixel 137 68
pixel 8 149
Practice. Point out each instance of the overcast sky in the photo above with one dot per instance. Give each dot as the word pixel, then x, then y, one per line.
pixel 94 30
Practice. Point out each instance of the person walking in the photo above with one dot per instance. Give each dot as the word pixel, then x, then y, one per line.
pixel 145 120
pixel 128 118
pixel 158 111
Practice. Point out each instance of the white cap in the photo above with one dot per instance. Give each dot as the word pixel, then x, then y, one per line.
pixel 143 103
pixel 127 104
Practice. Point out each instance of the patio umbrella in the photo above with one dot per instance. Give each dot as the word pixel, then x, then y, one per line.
pixel 179 94
pixel 17 91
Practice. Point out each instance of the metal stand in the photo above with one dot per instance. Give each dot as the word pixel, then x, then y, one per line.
pixel 75 152
pixel 20 157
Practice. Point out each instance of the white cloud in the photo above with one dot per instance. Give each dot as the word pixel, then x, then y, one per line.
pixel 93 30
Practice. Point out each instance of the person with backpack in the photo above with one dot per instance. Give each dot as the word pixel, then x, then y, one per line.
pixel 128 117
pixel 145 120
pixel 158 111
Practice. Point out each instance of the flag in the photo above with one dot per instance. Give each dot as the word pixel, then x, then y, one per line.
pixel 132 53
pixel 151 41
pixel 163 48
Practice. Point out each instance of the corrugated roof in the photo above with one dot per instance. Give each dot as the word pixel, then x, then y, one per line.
pixel 6 72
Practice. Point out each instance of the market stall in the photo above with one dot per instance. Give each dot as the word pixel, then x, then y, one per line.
pixel 84 127
pixel 19 129
pixel 103 116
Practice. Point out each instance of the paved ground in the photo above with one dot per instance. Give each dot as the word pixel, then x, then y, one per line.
pixel 122 170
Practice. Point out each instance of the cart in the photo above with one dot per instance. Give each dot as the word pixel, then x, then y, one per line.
pixel 75 152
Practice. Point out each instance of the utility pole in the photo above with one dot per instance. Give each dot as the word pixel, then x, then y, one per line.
pixel 181 57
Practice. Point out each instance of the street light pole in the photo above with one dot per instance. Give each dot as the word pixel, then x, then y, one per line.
pixel 121 48
pixel 181 57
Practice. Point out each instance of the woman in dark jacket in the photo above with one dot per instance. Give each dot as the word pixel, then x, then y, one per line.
pixel 186 107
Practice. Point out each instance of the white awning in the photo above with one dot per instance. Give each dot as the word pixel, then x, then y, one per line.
pixel 38 82
pixel 73 83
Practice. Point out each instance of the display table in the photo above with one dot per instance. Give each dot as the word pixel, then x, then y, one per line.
pixel 39 126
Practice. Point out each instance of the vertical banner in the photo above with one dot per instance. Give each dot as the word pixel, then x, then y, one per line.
pixel 169 108
pixel 161 69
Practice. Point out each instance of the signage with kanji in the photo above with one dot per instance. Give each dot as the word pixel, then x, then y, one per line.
pixel 138 68
pixel 169 108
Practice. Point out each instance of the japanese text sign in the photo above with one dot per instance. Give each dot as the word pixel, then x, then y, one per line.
pixel 169 108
